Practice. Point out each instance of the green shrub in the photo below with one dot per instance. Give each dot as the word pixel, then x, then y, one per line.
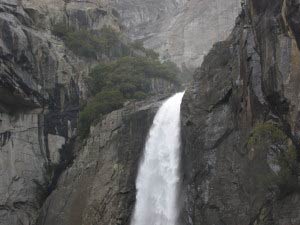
pixel 129 78
pixel 267 132
pixel 109 38
pixel 287 179
pixel 139 95
pixel 138 45
pixel 60 30
pixel 102 103
pixel 92 45
pixel 268 135
pixel 130 75
pixel 84 42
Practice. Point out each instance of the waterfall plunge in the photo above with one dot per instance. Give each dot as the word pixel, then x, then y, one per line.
pixel 158 178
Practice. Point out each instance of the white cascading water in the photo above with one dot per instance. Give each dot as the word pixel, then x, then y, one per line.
pixel 158 176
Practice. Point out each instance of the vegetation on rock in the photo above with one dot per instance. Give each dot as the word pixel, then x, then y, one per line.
pixel 267 132
pixel 138 45
pixel 102 103
pixel 130 75
pixel 113 83
pixel 125 76
pixel 84 42
pixel 107 42
pixel 272 138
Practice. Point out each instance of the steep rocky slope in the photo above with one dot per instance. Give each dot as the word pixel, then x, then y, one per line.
pixel 180 30
pixel 99 188
pixel 92 14
pixel 241 123
pixel 40 87
pixel 228 168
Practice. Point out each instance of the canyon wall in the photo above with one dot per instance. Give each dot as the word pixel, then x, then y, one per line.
pixel 41 87
pixel 247 87
pixel 41 82
pixel 99 188
pixel 241 123
pixel 182 31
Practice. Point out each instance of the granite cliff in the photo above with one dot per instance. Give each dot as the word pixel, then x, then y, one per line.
pixel 240 117
pixel 99 188
pixel 41 87
pixel 241 123
pixel 180 30
pixel 39 106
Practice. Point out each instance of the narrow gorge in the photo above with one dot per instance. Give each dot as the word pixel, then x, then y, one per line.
pixel 92 131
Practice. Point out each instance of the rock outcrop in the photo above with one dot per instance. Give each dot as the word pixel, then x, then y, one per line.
pixel 180 30
pixel 40 87
pixel 92 14
pixel 246 91
pixel 240 114
pixel 99 188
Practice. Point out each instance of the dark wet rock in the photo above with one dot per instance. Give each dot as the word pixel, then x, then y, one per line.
pixel 41 82
pixel 293 17
pixel 41 85
pixel 250 78
pixel 99 188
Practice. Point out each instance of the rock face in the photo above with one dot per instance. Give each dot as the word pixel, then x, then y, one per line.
pixel 41 84
pixel 180 30
pixel 250 78
pixel 293 18
pixel 40 87
pixel 99 188
pixel 92 14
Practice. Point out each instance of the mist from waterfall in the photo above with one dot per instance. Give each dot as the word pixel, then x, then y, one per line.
pixel 158 176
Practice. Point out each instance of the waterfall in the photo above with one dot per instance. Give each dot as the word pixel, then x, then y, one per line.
pixel 158 176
